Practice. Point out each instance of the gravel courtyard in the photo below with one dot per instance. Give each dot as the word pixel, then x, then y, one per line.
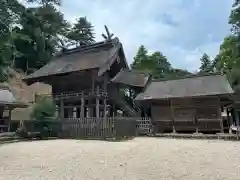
pixel 140 158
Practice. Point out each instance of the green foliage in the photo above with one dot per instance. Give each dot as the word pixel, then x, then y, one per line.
pixel 31 35
pixel 160 65
pixel 10 12
pixel 140 59
pixel 22 132
pixel 42 24
pixel 44 109
pixel 228 58
pixel 234 77
pixel 45 2
pixel 234 18
pixel 156 64
pixel 82 32
pixel 206 64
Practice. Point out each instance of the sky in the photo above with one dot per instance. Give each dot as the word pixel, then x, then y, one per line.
pixel 181 29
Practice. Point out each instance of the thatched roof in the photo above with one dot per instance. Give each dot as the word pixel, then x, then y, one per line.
pixel 131 78
pixel 93 56
pixel 188 87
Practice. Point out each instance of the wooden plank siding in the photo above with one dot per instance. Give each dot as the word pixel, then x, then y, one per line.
pixel 195 114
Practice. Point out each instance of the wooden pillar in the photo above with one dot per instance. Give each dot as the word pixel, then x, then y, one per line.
pixel 237 121
pixel 196 120
pixel 74 112
pixel 61 110
pixel 93 84
pixel 105 98
pixel 82 111
pixel 57 111
pixel 114 109
pixel 230 120
pixel 105 107
pixel 172 113
pixel 97 103
pixel 221 118
pixel 9 119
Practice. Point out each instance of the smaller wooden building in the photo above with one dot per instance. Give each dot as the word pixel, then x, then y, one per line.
pixel 7 103
pixel 191 104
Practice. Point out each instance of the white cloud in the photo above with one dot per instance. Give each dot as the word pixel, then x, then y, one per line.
pixel 181 29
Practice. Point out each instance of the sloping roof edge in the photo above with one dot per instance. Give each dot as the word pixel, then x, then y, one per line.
pixel 166 93
pixel 129 72
pixel 102 68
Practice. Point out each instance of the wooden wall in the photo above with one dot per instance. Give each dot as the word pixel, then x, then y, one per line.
pixel 195 114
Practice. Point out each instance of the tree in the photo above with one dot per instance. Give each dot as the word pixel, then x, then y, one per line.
pixel 44 109
pixel 156 64
pixel 206 64
pixel 178 73
pixel 228 57
pixel 46 2
pixel 42 24
pixel 234 18
pixel 159 65
pixel 140 58
pixel 82 32
pixel 10 13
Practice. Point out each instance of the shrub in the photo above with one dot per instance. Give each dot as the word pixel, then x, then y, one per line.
pixel 43 109
pixel 43 113
pixel 22 132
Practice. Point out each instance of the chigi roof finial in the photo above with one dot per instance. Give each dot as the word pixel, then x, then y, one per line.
pixel 108 36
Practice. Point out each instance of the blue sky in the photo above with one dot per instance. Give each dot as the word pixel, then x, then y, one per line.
pixel 181 29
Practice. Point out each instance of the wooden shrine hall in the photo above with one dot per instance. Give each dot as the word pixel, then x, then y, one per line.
pixel 87 81
pixel 96 81
pixel 191 104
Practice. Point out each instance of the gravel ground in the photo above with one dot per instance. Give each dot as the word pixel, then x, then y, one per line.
pixel 141 158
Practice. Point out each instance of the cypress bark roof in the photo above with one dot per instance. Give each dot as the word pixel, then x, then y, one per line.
pixel 188 87
pixel 131 78
pixel 92 56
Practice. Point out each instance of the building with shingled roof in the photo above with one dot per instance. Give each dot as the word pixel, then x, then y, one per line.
pixel 86 81
pixel 188 104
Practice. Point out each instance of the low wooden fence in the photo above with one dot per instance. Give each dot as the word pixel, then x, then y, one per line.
pixel 104 127
pixel 88 127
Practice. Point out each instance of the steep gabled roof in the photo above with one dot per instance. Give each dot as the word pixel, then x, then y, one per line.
pixel 131 78
pixel 91 56
pixel 188 87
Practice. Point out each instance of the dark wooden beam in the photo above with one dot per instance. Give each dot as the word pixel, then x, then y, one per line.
pixel 9 119
pixel 61 110
pixel 97 103
pixel 173 117
pixel 82 111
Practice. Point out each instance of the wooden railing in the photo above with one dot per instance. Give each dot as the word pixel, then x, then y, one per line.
pixel 68 95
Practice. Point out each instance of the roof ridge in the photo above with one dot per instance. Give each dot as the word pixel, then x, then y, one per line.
pixel 89 47
pixel 189 76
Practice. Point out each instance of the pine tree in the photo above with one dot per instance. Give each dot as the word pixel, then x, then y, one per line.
pixel 82 32
pixel 140 58
pixel 160 65
pixel 206 64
